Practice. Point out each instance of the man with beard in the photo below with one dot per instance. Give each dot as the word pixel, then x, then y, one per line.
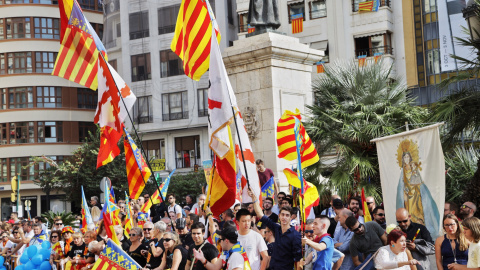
pixel 467 210
pixel 379 216
pixel 354 206
pixel 183 233
pixel 209 251
pixel 366 240
pixel 423 244
pixel 267 209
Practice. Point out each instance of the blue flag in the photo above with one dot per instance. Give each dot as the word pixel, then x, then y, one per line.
pixel 113 257
pixel 268 189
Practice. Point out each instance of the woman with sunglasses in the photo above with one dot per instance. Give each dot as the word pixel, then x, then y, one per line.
pixel 471 229
pixel 453 246
pixel 57 246
pixel 138 251
pixel 175 256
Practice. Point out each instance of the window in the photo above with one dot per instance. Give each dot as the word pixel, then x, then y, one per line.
pixel 98 27
pixel 202 102
pixel 84 128
pixel 3 134
pixel 119 30
pixel 170 64
pixel 141 67
pixel 242 22
pixel 155 149
pixel 45 165
pixel 19 62
pixel 175 106
pixel 86 98
pixel 187 151
pixel 433 61
pixel 294 9
pixel 50 132
pixel 371 45
pixel 318 9
pixel 383 3
pixel 19 97
pixel 229 12
pixel 143 112
pixel 113 63
pixel 3 170
pixel 18 28
pixel 48 28
pixel 167 19
pixel 138 25
pixel 49 97
pixel 45 61
pixel 91 4
pixel 22 132
pixel 17 167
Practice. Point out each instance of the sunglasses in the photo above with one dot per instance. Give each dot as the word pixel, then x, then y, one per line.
pixel 368 203
pixel 54 236
pixel 15 232
pixel 147 229
pixel 402 221
pixel 358 228
pixel 167 239
pixel 58 224
pixel 132 234
pixel 308 231
pixel 382 215
pixel 465 206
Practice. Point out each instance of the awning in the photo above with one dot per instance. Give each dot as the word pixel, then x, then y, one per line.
pixel 369 34
pixel 290 2
pixel 319 45
pixel 240 12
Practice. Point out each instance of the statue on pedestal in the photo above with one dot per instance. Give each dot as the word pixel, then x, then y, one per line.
pixel 263 14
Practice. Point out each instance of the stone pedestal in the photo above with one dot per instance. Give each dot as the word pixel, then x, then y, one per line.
pixel 270 73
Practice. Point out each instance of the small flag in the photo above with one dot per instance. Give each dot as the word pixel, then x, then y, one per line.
pixel 268 189
pixel 192 38
pixel 366 211
pixel 297 23
pixel 320 67
pixel 113 257
pixel 86 216
pixel 136 167
pixel 310 197
pixel 107 222
pixel 156 197
pixel 377 57
pixel 362 60
pixel 128 220
pixel 238 194
pixel 251 29
pixel 365 6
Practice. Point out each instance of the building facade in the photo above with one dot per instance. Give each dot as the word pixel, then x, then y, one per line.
pixel 170 114
pixel 40 114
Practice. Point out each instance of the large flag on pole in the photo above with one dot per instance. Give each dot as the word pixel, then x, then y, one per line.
pixel 366 212
pixel 79 47
pixel 193 34
pixel 108 145
pixel 412 173
pixel 113 257
pixel 136 167
pixel 156 196
pixel 310 197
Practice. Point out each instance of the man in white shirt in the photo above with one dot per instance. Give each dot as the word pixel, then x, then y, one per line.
pixel 252 241
pixel 173 207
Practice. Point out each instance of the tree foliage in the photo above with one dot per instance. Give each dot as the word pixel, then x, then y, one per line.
pixel 353 106
pixel 461 164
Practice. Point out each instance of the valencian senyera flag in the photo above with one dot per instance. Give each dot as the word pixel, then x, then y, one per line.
pixel 156 198
pixel 128 219
pixel 310 197
pixel 192 38
pixel 114 258
pixel 79 47
pixel 297 23
pixel 412 173
pixel 137 170
pixel 372 5
pixel 86 216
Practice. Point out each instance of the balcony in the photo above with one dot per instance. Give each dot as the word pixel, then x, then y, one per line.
pixel 372 51
pixel 175 116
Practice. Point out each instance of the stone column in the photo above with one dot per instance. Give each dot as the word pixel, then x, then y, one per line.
pixel 270 73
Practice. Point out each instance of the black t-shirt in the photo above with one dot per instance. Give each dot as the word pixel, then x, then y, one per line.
pixel 77 251
pixel 273 217
pixel 137 255
pixel 152 261
pixel 170 257
pixel 333 225
pixel 209 251
pixel 186 240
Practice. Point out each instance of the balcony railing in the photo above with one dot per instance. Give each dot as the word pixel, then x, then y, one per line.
pixel 187 162
pixel 383 3
pixel 166 29
pixel 318 14
pixel 139 34
pixel 111 44
pixel 175 116
pixel 202 113
pixel 242 28
pixel 372 51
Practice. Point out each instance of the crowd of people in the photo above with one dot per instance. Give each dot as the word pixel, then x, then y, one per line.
pixel 258 236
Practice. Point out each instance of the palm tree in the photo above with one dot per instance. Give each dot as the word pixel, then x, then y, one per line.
pixel 353 106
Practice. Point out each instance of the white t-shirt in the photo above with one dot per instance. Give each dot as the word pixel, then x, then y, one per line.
pixel 253 244
pixel 29 235
pixel 473 255
pixel 176 208
pixel 235 261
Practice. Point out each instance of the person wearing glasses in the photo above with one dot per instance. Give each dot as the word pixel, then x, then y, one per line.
pixel 156 245
pixel 343 235
pixel 367 239
pixel 138 250
pixel 308 234
pixel 175 255
pixel 57 224
pixel 173 207
pixel 453 246
pixel 471 229
pixel 379 216
pixel 467 210
pixel 370 203
pixel 3 239
pixel 14 248
pixel 423 245
pixel 57 246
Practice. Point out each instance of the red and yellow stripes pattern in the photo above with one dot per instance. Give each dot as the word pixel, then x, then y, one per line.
pixel 287 148
pixel 136 167
pixel 192 38
pixel 297 23
pixel 365 6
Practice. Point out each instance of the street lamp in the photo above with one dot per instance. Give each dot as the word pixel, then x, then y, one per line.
pixel 471 15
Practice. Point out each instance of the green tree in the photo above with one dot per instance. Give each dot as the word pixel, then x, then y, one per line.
pixel 461 164
pixel 354 105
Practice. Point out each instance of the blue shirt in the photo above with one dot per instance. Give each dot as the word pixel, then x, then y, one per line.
pixel 324 257
pixel 343 236
pixel 287 246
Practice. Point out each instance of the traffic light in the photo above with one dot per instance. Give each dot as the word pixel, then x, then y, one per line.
pixel 13 197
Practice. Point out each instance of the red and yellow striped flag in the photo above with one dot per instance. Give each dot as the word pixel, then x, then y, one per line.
pixel 193 34
pixel 287 148
pixel 362 60
pixel 365 6
pixel 79 47
pixel 136 167
pixel 297 23
pixel 320 67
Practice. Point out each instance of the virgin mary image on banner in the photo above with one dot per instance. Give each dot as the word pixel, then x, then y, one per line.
pixel 412 173
pixel 412 193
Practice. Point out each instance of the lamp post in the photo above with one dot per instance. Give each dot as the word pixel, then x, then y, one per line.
pixel 471 15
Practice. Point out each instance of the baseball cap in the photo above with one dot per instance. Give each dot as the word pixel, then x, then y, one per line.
pixel 230 233
pixel 181 223
pixel 187 208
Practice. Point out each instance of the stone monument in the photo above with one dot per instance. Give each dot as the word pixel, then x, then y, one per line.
pixel 270 73
pixel 263 14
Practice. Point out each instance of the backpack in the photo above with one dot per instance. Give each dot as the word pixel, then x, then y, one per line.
pixel 183 211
